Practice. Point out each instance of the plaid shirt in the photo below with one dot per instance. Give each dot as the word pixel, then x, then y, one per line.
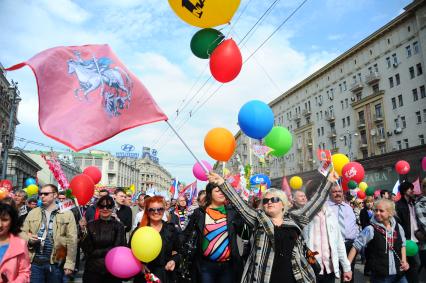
pixel 258 267
pixel 420 208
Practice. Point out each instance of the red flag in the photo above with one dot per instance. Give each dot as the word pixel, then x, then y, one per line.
pixel 86 95
pixel 324 154
pixel 286 188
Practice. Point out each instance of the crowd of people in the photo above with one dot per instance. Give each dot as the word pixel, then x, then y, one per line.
pixel 218 238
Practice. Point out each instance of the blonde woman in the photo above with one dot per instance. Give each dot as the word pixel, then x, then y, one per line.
pixel 279 253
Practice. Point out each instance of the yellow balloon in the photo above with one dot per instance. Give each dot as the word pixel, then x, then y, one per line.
pixel 132 188
pixel 339 160
pixel 32 189
pixel 146 244
pixel 362 186
pixel 296 182
pixel 205 14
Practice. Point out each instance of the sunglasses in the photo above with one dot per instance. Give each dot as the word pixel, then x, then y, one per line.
pixel 108 206
pixel 156 210
pixel 272 199
pixel 45 194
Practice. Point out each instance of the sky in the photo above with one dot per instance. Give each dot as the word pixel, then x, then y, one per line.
pixel 154 43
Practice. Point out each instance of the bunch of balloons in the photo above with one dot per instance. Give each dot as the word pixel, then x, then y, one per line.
pixel 31 187
pixel 225 56
pixel 123 262
pixel 83 185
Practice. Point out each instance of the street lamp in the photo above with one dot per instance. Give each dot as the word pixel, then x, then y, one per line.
pixel 349 134
pixel 15 102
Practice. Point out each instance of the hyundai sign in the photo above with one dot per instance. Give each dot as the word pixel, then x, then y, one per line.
pixel 127 152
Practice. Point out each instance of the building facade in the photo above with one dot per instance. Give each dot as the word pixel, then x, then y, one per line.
pixel 368 102
pixel 20 166
pixel 116 172
pixel 45 176
pixel 153 175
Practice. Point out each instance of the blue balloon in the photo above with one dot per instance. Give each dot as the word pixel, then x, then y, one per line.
pixel 260 179
pixel 30 181
pixel 256 119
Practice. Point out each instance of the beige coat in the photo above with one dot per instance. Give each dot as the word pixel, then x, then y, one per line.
pixel 64 234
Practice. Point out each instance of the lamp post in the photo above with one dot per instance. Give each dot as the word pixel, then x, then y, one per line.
pixel 15 101
pixel 349 134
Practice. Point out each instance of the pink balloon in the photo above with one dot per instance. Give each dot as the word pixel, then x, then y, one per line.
pixel 198 171
pixel 424 163
pixel 121 262
pixel 402 167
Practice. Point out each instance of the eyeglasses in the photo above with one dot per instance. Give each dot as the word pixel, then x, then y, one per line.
pixel 272 199
pixel 45 194
pixel 108 206
pixel 156 210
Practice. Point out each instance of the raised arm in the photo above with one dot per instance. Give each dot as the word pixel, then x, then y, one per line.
pixel 248 214
pixel 305 214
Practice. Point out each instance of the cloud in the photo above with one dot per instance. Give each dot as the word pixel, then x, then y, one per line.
pixel 335 36
pixel 66 10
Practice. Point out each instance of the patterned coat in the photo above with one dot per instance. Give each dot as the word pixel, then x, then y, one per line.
pixel 258 267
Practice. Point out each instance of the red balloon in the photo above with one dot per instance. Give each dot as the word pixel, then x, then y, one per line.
pixel 353 171
pixel 345 187
pixel 82 188
pixel 226 61
pixel 6 184
pixel 402 167
pixel 94 173
pixel 361 194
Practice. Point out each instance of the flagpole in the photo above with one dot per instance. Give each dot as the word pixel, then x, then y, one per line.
pixel 187 147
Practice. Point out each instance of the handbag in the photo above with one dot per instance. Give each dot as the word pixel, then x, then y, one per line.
pixel 310 257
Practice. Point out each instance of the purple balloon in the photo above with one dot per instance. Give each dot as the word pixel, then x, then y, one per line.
pixel 424 163
pixel 198 170
pixel 121 263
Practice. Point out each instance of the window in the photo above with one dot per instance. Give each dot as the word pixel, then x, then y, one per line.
pixel 381 132
pixel 321 114
pixel 317 116
pixel 359 77
pixel 344 85
pixel 322 131
pixel 344 122
pixel 404 123
pixel 361 116
pixel 354 79
pixel 316 100
pixel 319 132
pixel 341 101
pixel 394 59
pixel 348 120
pixel 376 68
pixel 419 117
pixel 346 102
pixel 345 140
pixel 378 110
pixel 422 91
pixel 111 165
pixel 422 139
pixel 415 95
pixel 397 80
pixel 408 50
pixel 382 149
pixel 424 114
pixel 388 62
pixel 375 88
pixel 400 102
pixel 391 82
pixel 340 87
pixel 399 145
pixel 411 70
pixel 406 143
pixel 330 111
pixel 309 105
pixel 396 122
pixel 416 47
pixel 419 69
pixel 393 103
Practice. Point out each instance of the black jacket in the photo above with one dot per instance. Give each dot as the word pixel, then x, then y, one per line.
pixel 403 216
pixel 125 215
pixel 235 226
pixel 101 237
pixel 364 218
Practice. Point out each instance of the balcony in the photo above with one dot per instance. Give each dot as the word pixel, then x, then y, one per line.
pixel 330 118
pixel 309 142
pixel 332 134
pixel 361 124
pixel 380 140
pixel 306 112
pixel 363 144
pixel 365 98
pixel 372 78
pixel 297 117
pixel 378 118
pixel 356 86
pixel 299 147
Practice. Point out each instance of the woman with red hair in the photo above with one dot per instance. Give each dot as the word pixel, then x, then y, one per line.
pixel 169 257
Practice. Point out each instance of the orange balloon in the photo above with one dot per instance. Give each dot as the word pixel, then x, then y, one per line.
pixel 3 194
pixel 220 144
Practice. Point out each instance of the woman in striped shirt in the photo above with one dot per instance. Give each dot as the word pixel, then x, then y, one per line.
pixel 279 253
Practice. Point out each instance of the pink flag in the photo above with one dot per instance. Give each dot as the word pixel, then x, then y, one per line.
pixel 86 95
pixel 286 188
pixel 417 190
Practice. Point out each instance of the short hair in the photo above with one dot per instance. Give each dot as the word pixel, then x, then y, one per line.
pixel 390 205
pixel 7 209
pixel 280 194
pixel 404 187
pixel 62 193
pixel 141 196
pixel 119 190
pixel 104 191
pixel 22 192
pixel 55 188
pixel 383 192
pixel 10 201
pixel 200 194
pixel 32 199
pixel 369 199
pixel 294 192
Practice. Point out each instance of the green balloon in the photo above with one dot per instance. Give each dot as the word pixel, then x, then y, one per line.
pixel 205 41
pixel 370 191
pixel 411 248
pixel 352 184
pixel 280 140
